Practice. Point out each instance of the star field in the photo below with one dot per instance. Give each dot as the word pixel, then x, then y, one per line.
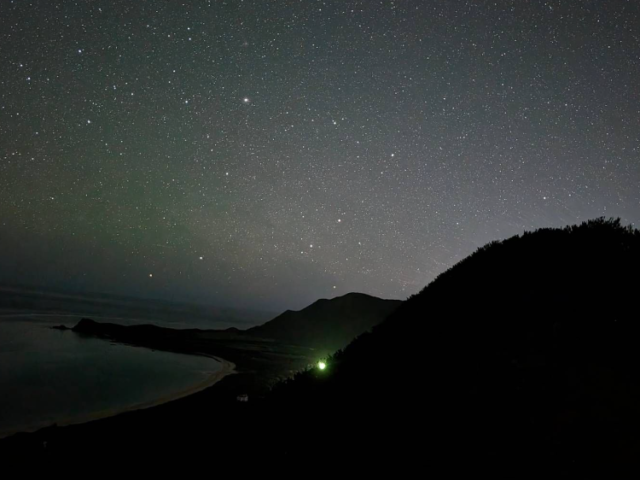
pixel 269 153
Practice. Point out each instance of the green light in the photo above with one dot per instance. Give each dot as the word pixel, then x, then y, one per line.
pixel 322 365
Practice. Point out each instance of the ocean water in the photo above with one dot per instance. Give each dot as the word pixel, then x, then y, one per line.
pixel 50 376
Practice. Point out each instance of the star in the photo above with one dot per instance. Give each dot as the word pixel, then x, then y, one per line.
pixel 109 149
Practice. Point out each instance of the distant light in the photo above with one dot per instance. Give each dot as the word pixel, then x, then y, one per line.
pixel 322 365
pixel 151 275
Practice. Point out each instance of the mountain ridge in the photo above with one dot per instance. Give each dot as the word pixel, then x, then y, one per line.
pixel 328 324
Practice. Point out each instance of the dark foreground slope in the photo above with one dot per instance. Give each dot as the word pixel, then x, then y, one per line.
pixel 522 358
pixel 328 324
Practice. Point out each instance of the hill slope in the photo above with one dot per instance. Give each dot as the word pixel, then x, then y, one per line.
pixel 524 355
pixel 328 324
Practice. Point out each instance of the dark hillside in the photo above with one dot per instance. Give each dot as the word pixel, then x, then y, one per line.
pixel 526 351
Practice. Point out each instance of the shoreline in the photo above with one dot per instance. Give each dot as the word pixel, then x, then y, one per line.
pixel 226 368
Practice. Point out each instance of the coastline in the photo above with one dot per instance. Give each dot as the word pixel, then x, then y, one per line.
pixel 226 368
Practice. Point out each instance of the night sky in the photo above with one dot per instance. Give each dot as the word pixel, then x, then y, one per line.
pixel 268 153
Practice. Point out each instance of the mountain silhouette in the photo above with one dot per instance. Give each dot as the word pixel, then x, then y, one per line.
pixel 327 324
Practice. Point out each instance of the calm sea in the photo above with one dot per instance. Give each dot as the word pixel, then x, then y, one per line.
pixel 50 376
